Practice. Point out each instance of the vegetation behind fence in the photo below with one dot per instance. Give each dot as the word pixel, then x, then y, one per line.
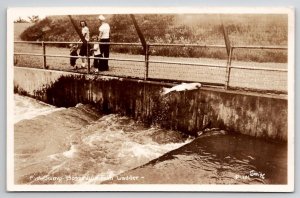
pixel 178 29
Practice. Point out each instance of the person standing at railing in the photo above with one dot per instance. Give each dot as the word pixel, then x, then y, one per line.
pixel 73 53
pixel 84 50
pixel 97 54
pixel 104 31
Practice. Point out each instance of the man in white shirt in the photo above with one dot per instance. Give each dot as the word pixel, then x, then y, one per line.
pixel 84 47
pixel 104 31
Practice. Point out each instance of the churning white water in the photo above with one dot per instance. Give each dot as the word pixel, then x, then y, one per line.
pixel 78 145
pixel 28 108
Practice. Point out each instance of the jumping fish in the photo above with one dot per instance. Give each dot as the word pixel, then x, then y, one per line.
pixel 181 87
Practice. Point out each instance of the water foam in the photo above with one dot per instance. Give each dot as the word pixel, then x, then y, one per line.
pixel 110 146
pixel 98 148
pixel 27 108
pixel 70 153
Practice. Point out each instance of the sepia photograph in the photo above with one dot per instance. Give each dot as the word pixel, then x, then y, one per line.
pixel 150 99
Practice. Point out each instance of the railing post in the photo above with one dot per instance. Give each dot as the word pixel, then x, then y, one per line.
pixel 226 37
pixel 44 55
pixel 228 68
pixel 147 61
pixel 88 57
pixel 144 43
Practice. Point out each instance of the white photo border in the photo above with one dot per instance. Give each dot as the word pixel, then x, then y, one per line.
pixel 11 12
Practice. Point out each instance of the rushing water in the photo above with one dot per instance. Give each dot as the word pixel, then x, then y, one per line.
pixel 216 159
pixel 27 108
pixel 79 145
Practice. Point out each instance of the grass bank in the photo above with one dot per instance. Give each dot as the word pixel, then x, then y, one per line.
pixel 178 29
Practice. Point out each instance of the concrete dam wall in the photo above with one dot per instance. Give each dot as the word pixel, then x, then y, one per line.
pixel 258 115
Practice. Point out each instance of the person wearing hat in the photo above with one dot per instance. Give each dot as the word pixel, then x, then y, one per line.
pixel 104 31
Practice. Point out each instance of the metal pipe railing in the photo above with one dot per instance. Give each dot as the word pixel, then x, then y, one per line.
pixel 259 68
pixel 75 42
pixel 90 57
pixel 260 47
pixel 185 63
pixel 228 68
pixel 147 54
pixel 186 45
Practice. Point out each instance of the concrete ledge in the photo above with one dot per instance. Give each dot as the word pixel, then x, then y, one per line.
pixel 255 114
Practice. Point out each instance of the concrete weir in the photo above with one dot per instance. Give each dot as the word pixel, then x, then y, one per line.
pixel 253 114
